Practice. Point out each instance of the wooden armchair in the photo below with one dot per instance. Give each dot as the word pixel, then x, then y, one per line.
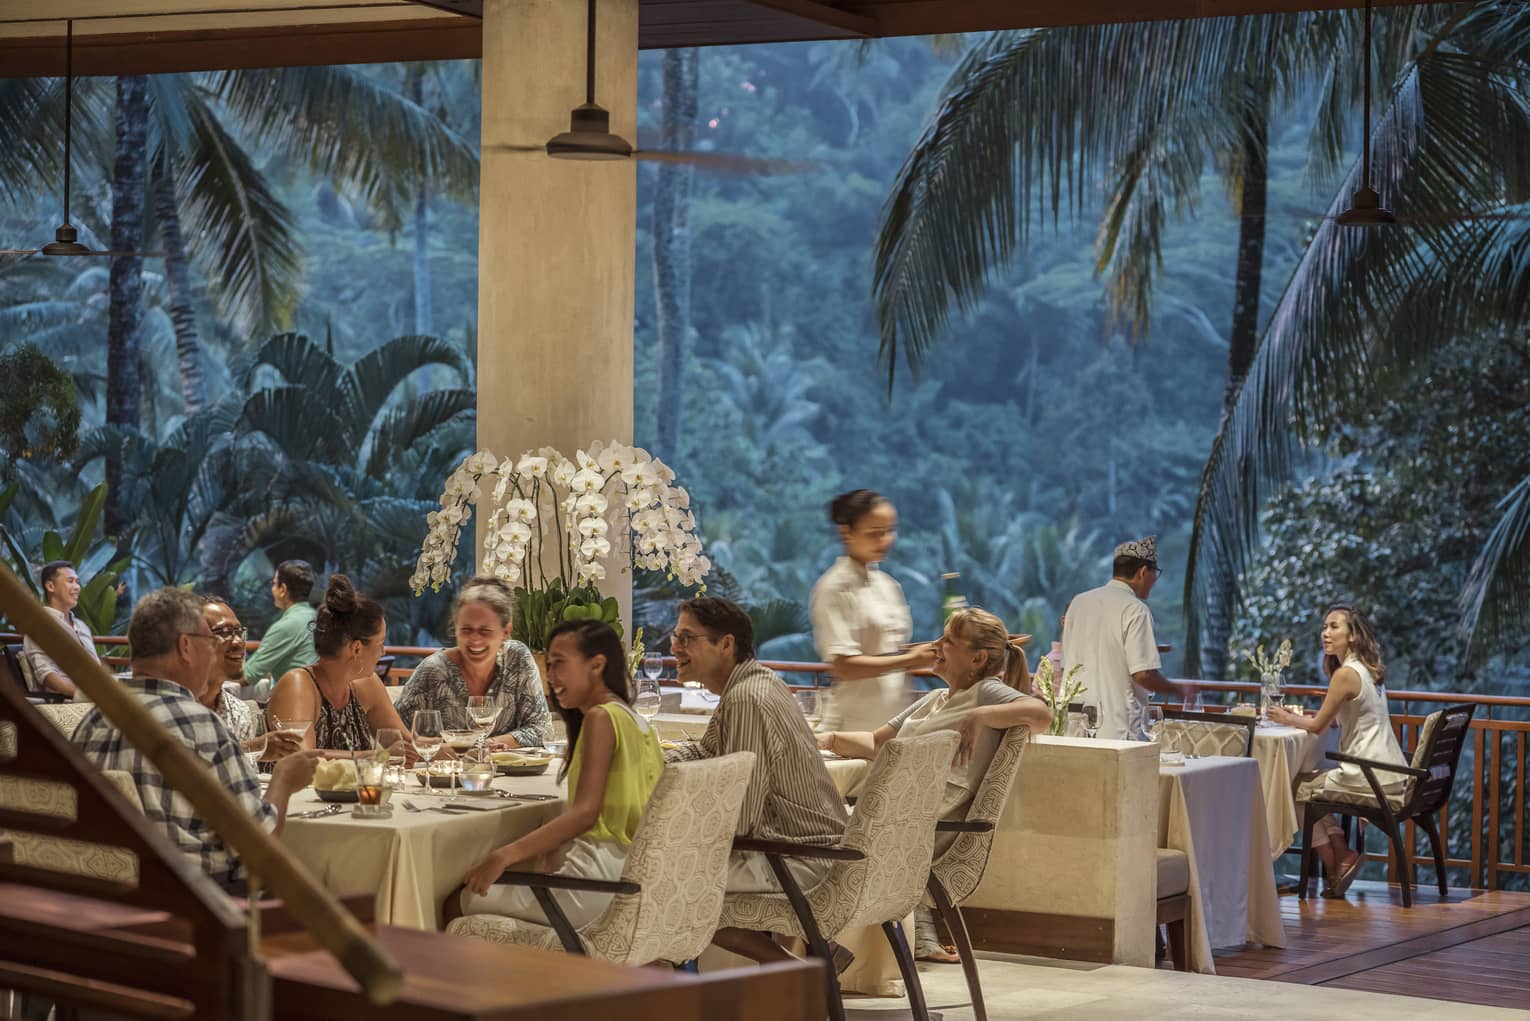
pixel 1429 780
pixel 668 900
pixel 880 867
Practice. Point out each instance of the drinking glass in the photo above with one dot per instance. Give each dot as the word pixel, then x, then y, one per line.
pixel 1155 724
pixel 371 791
pixel 807 701
pixel 1194 703
pixel 653 666
pixel 483 710
pixel 428 735
pixel 477 772
pixel 648 701
pixel 1091 720
pixel 297 728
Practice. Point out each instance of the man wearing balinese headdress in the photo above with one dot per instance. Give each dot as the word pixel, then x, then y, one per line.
pixel 1109 630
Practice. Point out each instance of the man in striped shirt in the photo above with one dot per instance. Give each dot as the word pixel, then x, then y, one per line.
pixel 790 796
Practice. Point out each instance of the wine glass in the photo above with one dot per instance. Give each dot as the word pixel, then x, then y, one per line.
pixel 483 710
pixel 1092 721
pixel 1155 724
pixel 653 666
pixel 648 701
pixel 807 701
pixel 297 728
pixel 460 735
pixel 428 736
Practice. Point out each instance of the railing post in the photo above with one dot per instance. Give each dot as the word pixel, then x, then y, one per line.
pixel 1478 873
pixel 1496 764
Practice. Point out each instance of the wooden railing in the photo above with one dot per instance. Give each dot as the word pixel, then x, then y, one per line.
pixel 1483 826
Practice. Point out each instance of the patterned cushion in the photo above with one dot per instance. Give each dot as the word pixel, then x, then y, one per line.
pixel 65 715
pixel 960 867
pixel 893 825
pixel 60 854
pixel 680 859
pixel 1197 737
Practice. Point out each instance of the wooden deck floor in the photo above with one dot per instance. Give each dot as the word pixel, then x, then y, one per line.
pixel 1469 948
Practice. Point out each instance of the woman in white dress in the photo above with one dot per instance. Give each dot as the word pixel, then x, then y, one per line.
pixel 988 685
pixel 1356 701
pixel 861 622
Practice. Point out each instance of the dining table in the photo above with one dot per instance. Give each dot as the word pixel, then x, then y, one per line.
pixel 1282 753
pixel 412 858
pixel 1212 808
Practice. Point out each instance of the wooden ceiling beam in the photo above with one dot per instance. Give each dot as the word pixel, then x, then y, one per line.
pixel 862 25
pixel 933 17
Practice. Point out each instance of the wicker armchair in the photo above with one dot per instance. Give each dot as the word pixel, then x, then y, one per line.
pixel 880 867
pixel 671 891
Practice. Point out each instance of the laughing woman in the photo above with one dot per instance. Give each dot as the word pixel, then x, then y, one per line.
pixel 613 763
pixel 1352 660
pixel 485 661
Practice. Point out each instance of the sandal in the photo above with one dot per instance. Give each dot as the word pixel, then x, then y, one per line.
pixel 940 954
pixel 1346 876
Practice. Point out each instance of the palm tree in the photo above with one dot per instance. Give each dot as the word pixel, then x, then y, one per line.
pixel 672 243
pixel 1027 117
pixel 126 308
pixel 1451 154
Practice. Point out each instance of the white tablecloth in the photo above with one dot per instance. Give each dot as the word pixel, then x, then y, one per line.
pixel 412 860
pixel 1213 809
pixel 1283 752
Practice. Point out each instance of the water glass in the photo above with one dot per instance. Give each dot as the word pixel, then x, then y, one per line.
pixel 807 701
pixel 1092 721
pixel 1155 724
pixel 477 772
pixel 653 666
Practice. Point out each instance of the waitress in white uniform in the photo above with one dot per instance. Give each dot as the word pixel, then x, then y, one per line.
pixel 861 622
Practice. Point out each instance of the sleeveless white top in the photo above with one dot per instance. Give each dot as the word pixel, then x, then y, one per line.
pixel 1365 731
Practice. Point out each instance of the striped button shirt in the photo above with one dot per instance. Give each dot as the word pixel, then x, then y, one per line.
pixel 790 795
pixel 199 729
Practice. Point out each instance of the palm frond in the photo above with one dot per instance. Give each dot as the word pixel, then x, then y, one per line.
pixel 399 429
pixel 343 123
pixel 33 151
pixel 237 230
pixel 1452 135
pixel 1496 601
pixel 375 375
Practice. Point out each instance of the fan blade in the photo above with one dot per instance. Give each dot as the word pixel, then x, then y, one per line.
pixel 516 148
pixel 728 161
pixel 18 251
pixel 129 255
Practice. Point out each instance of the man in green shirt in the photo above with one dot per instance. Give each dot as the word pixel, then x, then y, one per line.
pixel 288 642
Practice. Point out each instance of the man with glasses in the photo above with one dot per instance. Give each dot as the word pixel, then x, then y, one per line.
pixel 790 796
pixel 173 654
pixel 240 717
pixel 1109 632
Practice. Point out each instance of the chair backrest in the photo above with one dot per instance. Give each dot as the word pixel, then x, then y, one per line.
pixel 16 665
pixel 894 827
pixel 65 715
pixel 679 856
pixel 1208 733
pixel 960 867
pixel 384 664
pixel 1439 750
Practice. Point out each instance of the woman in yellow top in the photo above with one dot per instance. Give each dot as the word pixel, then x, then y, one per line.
pixel 612 766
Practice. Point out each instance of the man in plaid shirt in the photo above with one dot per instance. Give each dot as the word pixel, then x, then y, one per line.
pixel 173 651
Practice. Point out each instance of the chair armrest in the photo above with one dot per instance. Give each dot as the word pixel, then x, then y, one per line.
pixel 1355 760
pixel 964 826
pixel 794 850
pixel 553 881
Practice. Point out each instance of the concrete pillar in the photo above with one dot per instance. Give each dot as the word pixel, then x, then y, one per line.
pixel 556 238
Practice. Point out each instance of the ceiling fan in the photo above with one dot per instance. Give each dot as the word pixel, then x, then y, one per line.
pixel 589 135
pixel 66 238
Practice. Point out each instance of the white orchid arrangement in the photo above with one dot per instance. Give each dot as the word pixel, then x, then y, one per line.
pixel 1270 668
pixel 552 529
pixel 1058 692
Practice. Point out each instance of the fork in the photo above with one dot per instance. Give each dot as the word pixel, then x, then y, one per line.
pixel 319 813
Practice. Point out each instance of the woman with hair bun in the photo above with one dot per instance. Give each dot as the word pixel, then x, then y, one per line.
pixel 341 692
pixel 861 621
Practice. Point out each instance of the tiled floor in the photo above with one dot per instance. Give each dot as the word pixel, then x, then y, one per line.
pixel 1016 987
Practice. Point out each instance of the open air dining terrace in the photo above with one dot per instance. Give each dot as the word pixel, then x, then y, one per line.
pixel 471 792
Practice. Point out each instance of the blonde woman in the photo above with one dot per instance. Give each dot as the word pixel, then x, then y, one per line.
pixel 987 682
pixel 1355 699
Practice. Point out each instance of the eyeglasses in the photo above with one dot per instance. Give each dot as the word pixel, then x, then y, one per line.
pixel 229 633
pixel 198 634
pixel 678 638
